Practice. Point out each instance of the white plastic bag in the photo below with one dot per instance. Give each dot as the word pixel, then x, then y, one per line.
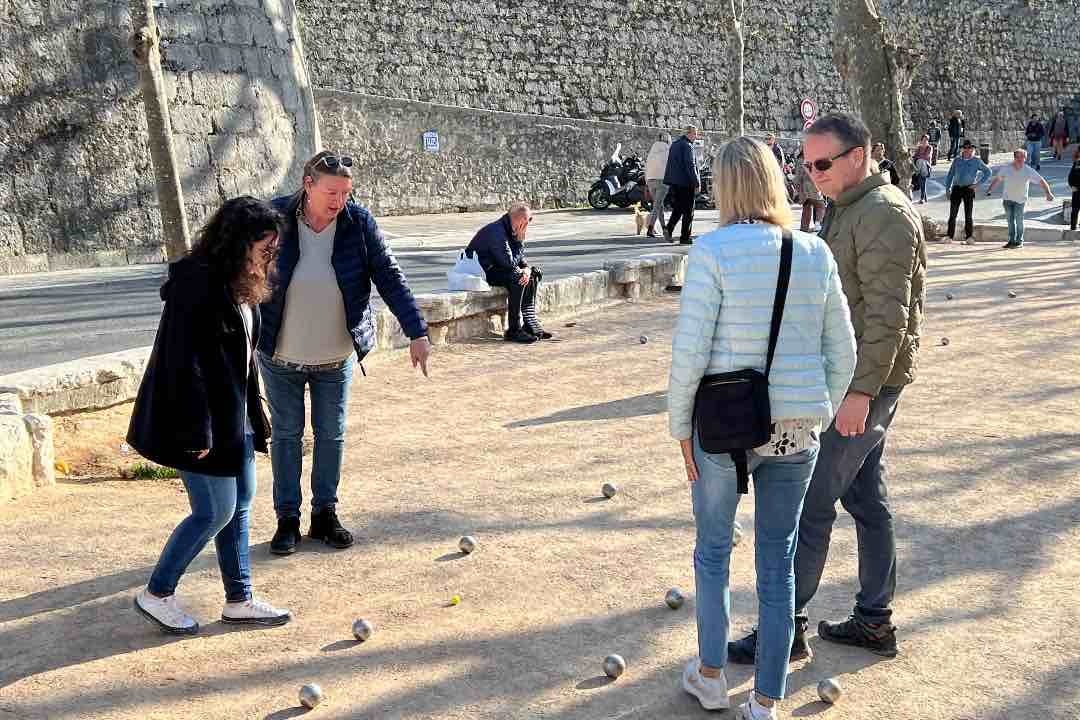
pixel 467 274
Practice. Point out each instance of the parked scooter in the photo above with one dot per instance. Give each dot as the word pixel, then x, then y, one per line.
pixel 621 183
pixel 704 198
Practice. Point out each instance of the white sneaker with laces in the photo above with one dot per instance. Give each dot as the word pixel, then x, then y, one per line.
pixel 712 693
pixel 165 613
pixel 746 713
pixel 254 612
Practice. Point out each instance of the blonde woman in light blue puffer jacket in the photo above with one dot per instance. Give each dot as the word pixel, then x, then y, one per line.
pixel 723 325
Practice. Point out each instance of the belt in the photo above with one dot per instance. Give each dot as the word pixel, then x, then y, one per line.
pixel 302 367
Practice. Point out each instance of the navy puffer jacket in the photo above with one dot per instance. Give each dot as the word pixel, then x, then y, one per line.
pixel 360 257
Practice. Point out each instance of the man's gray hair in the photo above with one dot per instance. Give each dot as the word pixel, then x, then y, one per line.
pixel 690 129
pixel 519 208
pixel 848 129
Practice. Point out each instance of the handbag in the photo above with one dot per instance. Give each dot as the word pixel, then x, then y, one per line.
pixel 731 410
pixel 467 274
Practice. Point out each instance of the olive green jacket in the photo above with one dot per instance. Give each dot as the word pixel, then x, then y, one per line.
pixel 876 237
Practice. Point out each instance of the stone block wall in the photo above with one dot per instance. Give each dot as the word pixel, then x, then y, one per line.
pixel 76 182
pixel 486 159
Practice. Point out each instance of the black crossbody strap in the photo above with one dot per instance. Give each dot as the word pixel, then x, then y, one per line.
pixel 786 248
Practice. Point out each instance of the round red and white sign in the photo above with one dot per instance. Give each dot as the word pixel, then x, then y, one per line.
pixel 808 109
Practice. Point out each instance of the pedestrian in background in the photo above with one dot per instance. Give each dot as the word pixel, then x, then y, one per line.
pixel 934 133
pixel 318 325
pixel 813 202
pixel 199 409
pixel 965 174
pixel 957 127
pixel 1017 177
pixel 921 160
pixel 1059 135
pixel 1034 134
pixel 681 177
pixel 884 165
pixel 1074 184
pixel 723 326
pixel 655 167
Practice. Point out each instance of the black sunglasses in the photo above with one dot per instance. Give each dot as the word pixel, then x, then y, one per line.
pixel 825 164
pixel 333 162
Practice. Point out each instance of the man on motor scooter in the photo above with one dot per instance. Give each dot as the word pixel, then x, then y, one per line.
pixel 682 179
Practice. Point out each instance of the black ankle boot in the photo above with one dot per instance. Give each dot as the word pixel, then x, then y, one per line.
pixel 286 537
pixel 326 527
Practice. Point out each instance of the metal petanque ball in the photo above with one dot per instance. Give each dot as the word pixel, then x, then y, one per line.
pixel 736 534
pixel 829 690
pixel 643 339
pixel 944 341
pixel 674 599
pixel 310 695
pixel 948 296
pixel 467 544
pixel 362 629
pixel 614 666
pixel 1012 293
pixel 609 490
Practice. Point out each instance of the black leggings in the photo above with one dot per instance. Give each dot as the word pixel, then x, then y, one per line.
pixel 521 303
pixel 1075 209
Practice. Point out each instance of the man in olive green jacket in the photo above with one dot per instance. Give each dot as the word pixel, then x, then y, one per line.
pixel 876 237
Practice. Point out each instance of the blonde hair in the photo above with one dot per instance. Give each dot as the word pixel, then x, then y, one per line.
pixel 748 184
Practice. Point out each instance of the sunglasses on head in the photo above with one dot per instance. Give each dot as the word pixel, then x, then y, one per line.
pixel 825 164
pixel 333 162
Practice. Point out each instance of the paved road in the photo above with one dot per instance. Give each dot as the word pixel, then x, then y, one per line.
pixel 54 317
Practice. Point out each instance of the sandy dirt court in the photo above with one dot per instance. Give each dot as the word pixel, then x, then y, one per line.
pixel 511 444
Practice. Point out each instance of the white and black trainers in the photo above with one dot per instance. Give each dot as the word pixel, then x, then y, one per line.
pixel 712 693
pixel 165 613
pixel 254 612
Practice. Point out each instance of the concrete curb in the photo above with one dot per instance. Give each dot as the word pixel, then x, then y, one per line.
pixel 986 232
pixel 26 442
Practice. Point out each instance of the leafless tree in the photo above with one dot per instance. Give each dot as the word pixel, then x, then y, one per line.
pixel 145 45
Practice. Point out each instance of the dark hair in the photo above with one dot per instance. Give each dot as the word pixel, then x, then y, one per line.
pixel 224 241
pixel 314 168
pixel 848 129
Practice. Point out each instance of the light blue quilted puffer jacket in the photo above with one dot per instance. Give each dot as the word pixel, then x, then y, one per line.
pixel 723 325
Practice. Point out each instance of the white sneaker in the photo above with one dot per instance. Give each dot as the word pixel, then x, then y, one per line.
pixel 745 713
pixel 165 613
pixel 254 612
pixel 712 693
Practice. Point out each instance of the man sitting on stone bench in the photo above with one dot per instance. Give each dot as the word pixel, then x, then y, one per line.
pixel 500 249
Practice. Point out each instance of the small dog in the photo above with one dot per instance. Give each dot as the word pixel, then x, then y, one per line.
pixel 641 218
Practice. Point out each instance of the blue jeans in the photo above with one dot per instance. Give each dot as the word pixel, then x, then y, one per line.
pixel 329 397
pixel 1034 148
pixel 220 509
pixel 779 487
pixel 1014 215
pixel 850 469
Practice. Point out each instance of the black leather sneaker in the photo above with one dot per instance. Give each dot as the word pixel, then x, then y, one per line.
pixel 519 336
pixel 326 527
pixel 286 536
pixel 742 652
pixel 879 639
pixel 539 333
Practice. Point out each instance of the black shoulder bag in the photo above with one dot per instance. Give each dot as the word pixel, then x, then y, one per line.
pixel 731 410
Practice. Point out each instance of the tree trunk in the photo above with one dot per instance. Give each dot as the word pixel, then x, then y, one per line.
pixel 736 45
pixel 877 74
pixel 145 46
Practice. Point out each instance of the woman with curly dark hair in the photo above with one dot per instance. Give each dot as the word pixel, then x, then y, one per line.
pixel 198 409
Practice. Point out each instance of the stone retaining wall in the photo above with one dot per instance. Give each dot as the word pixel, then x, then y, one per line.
pixel 485 159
